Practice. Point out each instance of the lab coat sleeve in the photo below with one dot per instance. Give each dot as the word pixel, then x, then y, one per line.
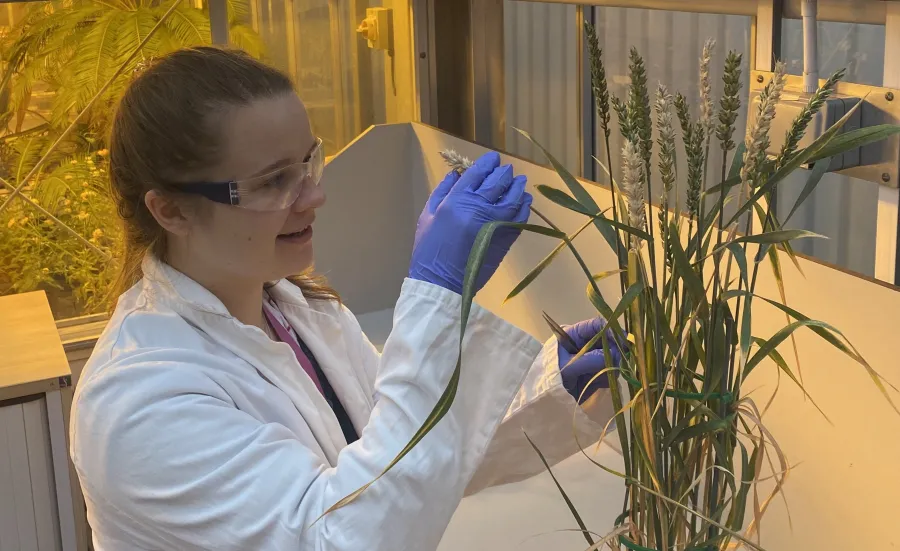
pixel 545 410
pixel 216 478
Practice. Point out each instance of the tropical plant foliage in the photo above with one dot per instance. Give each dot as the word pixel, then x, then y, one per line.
pixel 694 444
pixel 63 67
pixel 38 253
pixel 76 46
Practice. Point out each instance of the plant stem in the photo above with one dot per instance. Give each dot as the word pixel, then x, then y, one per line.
pixel 623 263
pixel 735 388
pixel 659 370
pixel 720 461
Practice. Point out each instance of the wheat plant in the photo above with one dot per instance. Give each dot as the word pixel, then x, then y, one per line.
pixel 694 444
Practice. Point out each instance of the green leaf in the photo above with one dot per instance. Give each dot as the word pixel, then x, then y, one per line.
pixel 692 281
pixel 737 162
pixel 601 305
pixel 536 271
pixel 786 246
pixel 741 260
pixel 630 229
pixel 775 261
pixel 831 335
pixel 777 339
pixel 563 199
pixel 580 194
pixel 779 360
pixel 616 397
pixel 710 227
pixel 686 422
pixel 779 236
pixel 737 512
pixel 815 176
pixel 799 159
pixel 707 427
pixel 746 325
pixel 628 298
pixel 856 138
pixel 572 509
pixel 664 325
pixel 729 183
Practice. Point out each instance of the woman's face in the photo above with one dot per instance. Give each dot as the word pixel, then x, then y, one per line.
pixel 253 245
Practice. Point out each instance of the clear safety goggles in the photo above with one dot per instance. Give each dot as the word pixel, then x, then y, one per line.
pixel 274 191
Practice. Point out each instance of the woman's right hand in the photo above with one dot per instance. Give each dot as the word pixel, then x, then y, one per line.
pixel 456 211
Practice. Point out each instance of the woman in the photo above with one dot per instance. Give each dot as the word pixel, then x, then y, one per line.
pixel 222 411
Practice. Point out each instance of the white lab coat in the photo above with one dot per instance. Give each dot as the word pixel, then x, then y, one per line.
pixel 191 430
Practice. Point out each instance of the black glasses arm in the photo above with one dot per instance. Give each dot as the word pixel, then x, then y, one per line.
pixel 220 192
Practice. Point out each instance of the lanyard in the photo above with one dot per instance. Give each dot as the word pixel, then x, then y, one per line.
pixel 286 337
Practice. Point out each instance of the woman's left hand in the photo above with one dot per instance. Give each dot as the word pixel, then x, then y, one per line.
pixel 577 376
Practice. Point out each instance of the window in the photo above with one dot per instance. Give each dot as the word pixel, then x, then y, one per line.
pixel 841 208
pixel 59 227
pixel 542 87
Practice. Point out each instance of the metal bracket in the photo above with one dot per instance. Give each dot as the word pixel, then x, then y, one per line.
pixel 879 162
pixel 766 34
pixel 887 233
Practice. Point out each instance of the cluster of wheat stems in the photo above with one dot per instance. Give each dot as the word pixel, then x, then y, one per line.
pixel 694 445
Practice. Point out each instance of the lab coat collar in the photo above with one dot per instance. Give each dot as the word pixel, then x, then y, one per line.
pixel 175 284
pixel 273 360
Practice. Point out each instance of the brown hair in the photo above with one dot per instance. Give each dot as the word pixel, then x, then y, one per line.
pixel 162 129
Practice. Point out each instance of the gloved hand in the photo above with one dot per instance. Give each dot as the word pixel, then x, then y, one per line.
pixel 456 211
pixel 575 377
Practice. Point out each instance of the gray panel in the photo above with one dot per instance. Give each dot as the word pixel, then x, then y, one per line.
pixel 9 530
pixel 28 512
pixel 542 88
pixel 42 479
pixel 364 232
pixel 18 452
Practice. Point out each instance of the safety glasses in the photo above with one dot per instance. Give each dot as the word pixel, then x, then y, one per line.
pixel 276 190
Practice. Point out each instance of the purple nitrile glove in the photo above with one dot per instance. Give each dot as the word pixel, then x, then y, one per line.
pixel 576 377
pixel 456 211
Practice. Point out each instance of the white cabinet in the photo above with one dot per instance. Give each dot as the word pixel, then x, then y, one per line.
pixel 36 511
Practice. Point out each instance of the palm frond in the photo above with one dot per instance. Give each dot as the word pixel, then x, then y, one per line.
pixel 189 26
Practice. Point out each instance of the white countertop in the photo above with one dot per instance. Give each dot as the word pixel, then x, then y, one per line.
pixel 531 515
